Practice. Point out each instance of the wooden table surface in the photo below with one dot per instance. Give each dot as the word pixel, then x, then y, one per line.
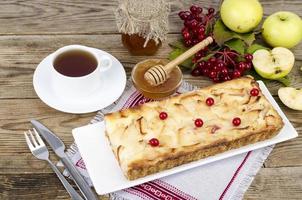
pixel 30 30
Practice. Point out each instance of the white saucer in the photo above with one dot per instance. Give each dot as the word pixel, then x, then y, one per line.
pixel 113 85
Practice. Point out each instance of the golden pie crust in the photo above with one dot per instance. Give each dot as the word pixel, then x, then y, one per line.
pixel 180 141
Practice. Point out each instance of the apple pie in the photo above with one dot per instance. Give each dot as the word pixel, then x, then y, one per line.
pixel 163 134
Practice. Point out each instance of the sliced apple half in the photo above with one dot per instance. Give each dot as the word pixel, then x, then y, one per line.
pixel 273 64
pixel 291 97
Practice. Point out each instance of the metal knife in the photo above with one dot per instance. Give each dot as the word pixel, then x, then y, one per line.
pixel 59 148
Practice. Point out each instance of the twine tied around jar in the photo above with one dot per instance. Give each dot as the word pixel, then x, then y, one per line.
pixel 147 18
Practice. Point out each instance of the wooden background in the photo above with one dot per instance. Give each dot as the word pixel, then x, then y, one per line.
pixel 30 30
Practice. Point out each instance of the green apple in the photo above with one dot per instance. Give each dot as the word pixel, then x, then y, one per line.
pixel 273 64
pixel 291 97
pixel 282 29
pixel 241 16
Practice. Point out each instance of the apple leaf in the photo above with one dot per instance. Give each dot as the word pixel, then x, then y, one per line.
pixel 210 26
pixel 176 52
pixel 253 73
pixel 285 81
pixel 222 34
pixel 206 58
pixel 248 38
pixel 236 45
pixel 254 47
pixel 178 44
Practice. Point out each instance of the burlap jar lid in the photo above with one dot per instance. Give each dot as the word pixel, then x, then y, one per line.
pixel 147 18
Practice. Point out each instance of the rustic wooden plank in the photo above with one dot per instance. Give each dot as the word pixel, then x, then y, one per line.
pixel 271 184
pixel 20 55
pixel 95 17
pixel 24 163
pixel 15 116
pixel 276 184
pixel 33 186
pixel 14 120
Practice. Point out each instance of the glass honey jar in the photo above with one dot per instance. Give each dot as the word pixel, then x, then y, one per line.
pixel 135 45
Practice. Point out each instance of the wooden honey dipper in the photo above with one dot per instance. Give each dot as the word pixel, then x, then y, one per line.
pixel 158 74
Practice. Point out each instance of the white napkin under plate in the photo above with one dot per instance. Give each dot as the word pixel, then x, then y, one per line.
pixel 225 179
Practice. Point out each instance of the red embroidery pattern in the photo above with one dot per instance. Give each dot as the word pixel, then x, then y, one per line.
pixel 81 164
pixel 155 192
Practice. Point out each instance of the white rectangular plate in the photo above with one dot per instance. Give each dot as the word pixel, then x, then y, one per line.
pixel 107 176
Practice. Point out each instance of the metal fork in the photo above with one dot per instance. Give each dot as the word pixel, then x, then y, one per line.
pixel 39 150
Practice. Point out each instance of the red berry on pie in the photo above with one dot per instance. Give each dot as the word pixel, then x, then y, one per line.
pixel 163 115
pixel 236 121
pixel 154 142
pixel 254 92
pixel 198 122
pixel 210 101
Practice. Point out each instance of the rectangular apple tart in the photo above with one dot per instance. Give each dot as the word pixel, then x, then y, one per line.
pixel 163 134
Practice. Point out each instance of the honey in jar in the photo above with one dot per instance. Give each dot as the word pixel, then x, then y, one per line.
pixel 143 24
pixel 136 45
pixel 166 89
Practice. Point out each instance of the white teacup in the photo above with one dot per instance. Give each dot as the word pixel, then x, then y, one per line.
pixel 79 86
